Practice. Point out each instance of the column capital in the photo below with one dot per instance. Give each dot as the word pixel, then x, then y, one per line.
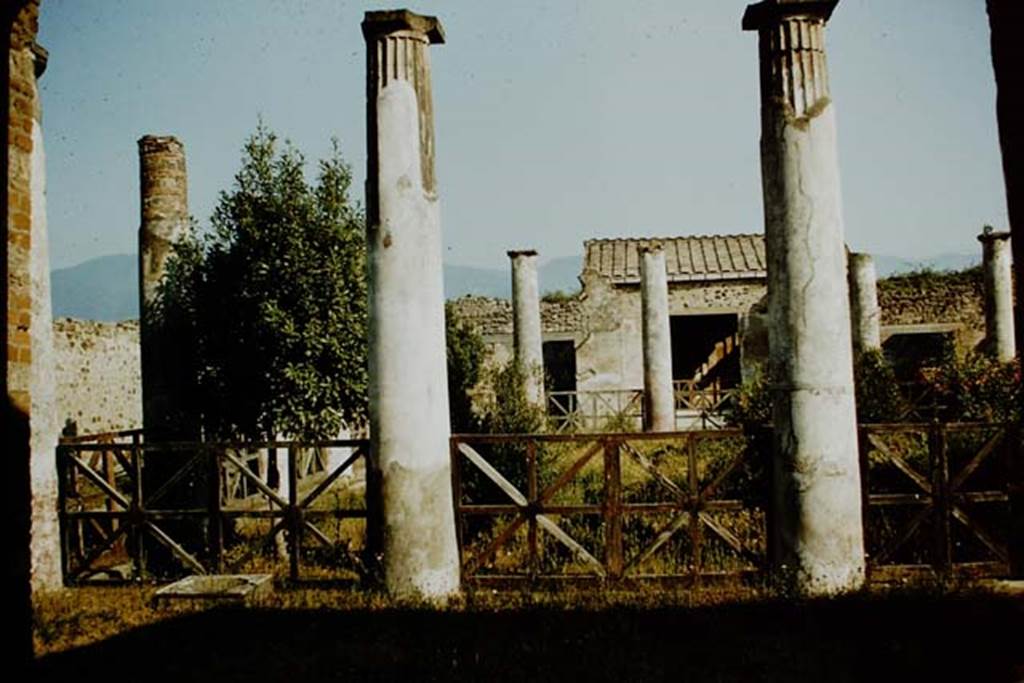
pixel 149 144
pixel 513 253
pixel 385 22
pixel 766 13
pixel 988 234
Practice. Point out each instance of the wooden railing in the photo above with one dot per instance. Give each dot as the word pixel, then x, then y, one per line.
pixel 936 498
pixel 592 411
pixel 609 506
pixel 695 505
pixel 204 507
pixel 623 409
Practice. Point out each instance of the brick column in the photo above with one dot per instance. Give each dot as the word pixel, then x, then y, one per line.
pixel 409 421
pixel 818 540
pixel 27 491
pixel 164 220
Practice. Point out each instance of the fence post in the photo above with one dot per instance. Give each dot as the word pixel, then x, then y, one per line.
pixel 612 509
pixel 864 448
pixel 531 496
pixel 940 493
pixel 294 515
pixel 138 517
pixel 214 503
pixel 693 488
pixel 62 508
pixel 453 452
pixel 374 513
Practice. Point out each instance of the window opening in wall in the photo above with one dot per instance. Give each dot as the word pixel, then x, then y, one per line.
pixel 705 349
pixel 911 352
pixel 560 365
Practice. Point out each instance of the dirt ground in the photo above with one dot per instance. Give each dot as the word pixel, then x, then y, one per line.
pixel 910 636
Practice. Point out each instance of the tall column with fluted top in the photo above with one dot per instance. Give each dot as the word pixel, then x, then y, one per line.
pixel 865 314
pixel 409 422
pixel 527 337
pixel 997 271
pixel 818 540
pixel 659 397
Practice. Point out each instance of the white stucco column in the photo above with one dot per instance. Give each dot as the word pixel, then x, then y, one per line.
pixel 526 325
pixel 865 314
pixel 997 269
pixel 409 422
pixel 659 397
pixel 818 544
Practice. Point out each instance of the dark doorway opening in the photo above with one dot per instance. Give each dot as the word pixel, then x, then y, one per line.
pixel 909 353
pixel 560 365
pixel 705 349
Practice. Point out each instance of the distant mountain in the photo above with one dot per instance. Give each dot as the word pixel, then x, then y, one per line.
pixel 560 274
pixel 105 288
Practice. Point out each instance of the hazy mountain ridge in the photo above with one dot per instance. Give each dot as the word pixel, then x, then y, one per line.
pixel 105 288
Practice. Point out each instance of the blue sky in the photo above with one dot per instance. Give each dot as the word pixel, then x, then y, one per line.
pixel 557 120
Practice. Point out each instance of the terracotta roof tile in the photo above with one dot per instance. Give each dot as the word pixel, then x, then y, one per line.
pixel 705 257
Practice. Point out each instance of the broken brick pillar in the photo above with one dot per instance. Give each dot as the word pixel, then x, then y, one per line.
pixel 997 273
pixel 409 420
pixel 527 339
pixel 865 313
pixel 164 221
pixel 818 539
pixel 659 396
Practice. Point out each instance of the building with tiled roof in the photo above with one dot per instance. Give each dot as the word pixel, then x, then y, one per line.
pixel 687 259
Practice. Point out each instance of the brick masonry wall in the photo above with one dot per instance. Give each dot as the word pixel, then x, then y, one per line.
pixel 22 107
pixel 99 378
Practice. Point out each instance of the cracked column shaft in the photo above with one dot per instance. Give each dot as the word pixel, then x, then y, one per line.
pixel 997 269
pixel 818 542
pixel 865 314
pixel 659 398
pixel 526 325
pixel 409 421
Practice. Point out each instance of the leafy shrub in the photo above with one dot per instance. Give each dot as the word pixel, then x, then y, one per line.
pixel 977 387
pixel 878 394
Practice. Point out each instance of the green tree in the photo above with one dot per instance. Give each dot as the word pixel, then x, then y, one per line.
pixel 271 301
pixel 466 352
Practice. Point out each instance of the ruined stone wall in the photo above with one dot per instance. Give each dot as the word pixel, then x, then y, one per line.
pixel 609 351
pixel 955 298
pixel 928 298
pixel 99 378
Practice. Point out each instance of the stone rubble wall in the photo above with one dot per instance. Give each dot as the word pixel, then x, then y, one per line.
pixel 99 376
pixel 917 299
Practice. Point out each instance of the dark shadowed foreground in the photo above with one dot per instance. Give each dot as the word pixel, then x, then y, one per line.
pixel 908 637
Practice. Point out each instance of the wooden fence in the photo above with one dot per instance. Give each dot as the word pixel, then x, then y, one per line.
pixel 608 506
pixel 936 499
pixel 695 505
pixel 204 506
pixel 623 409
